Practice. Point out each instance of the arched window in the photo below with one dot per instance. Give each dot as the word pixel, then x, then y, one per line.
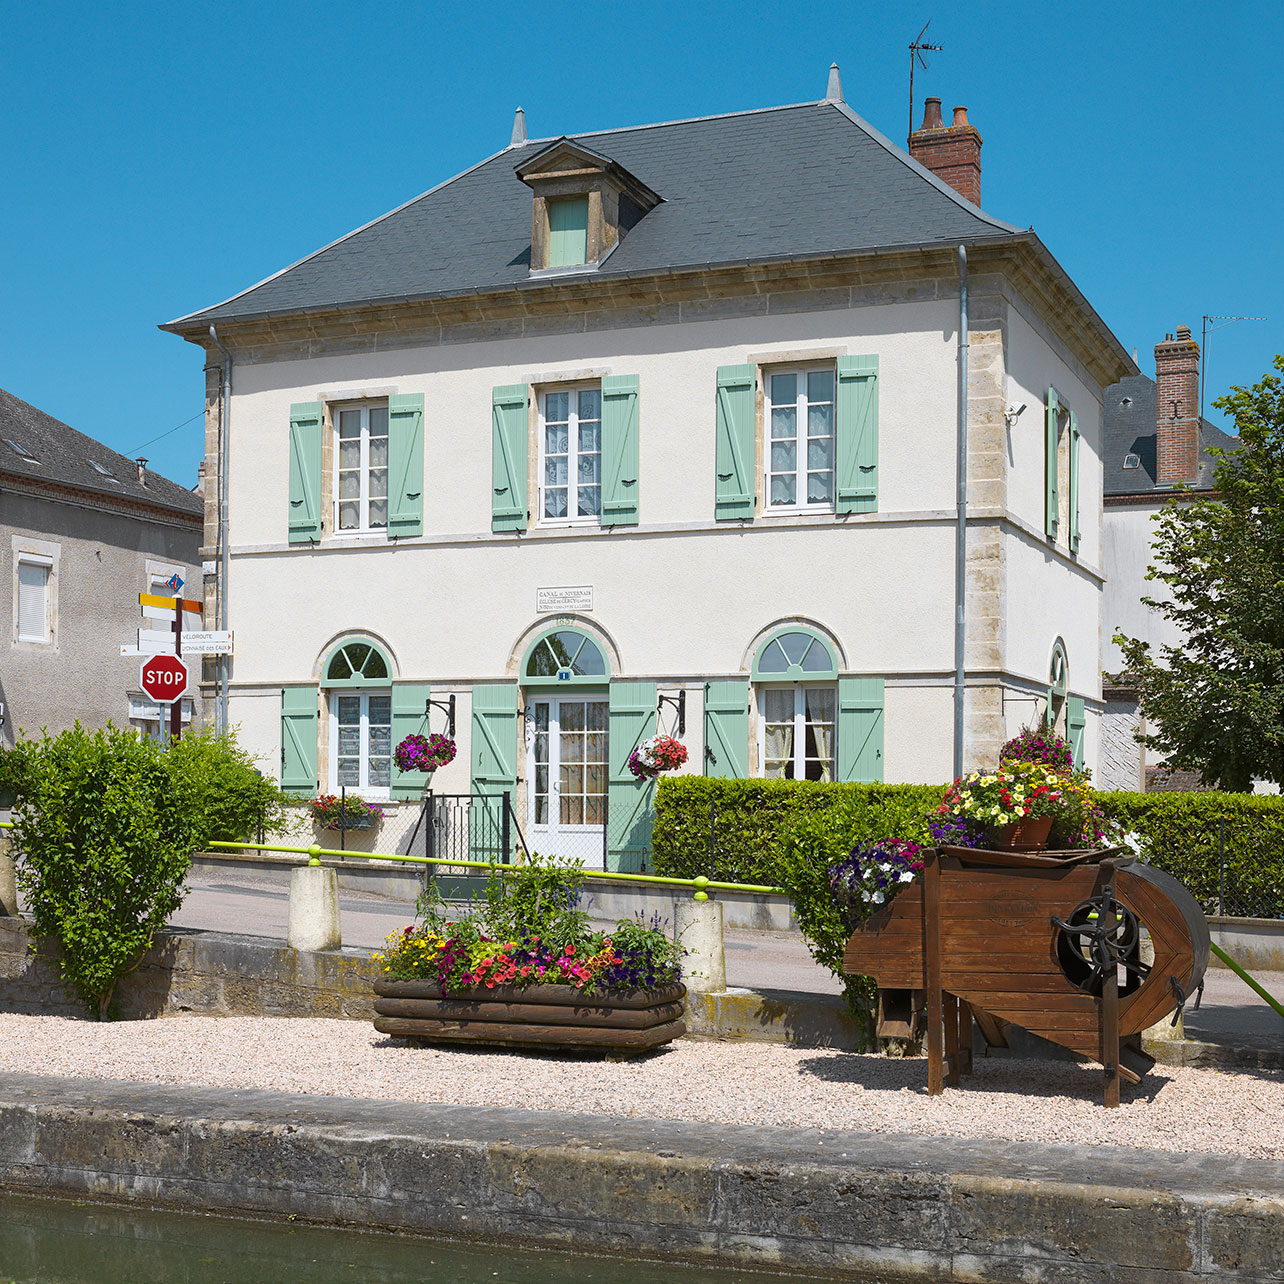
pixel 794 655
pixel 797 675
pixel 1058 679
pixel 359 663
pixel 359 680
pixel 565 656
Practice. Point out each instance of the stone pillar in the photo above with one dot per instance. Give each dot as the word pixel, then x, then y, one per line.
pixel 314 909
pixel 8 883
pixel 697 927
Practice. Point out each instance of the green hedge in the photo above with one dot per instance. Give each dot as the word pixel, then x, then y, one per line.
pixel 1178 831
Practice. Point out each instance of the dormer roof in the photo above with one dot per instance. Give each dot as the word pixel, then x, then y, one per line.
pixel 566 159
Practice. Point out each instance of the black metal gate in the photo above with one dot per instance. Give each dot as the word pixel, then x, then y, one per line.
pixel 465 827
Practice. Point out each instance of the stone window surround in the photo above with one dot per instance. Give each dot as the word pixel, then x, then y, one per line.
pixel 41 553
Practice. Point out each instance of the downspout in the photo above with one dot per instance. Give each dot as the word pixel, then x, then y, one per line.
pixel 960 551
pixel 225 418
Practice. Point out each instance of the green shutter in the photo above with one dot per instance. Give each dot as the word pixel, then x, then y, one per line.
pixel 735 458
pixel 860 729
pixel 726 728
pixel 306 418
pixel 409 715
pixel 1075 720
pixel 620 450
pixel 1052 504
pixel 494 767
pixel 568 232
pixel 1074 483
pixel 508 457
pixel 406 464
pixel 630 802
pixel 856 435
pixel 299 740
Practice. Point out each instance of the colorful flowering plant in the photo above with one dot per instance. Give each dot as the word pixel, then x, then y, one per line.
pixel 328 809
pixel 657 754
pixel 1039 744
pixel 424 753
pixel 527 931
pixel 870 876
pixel 955 831
pixel 1015 791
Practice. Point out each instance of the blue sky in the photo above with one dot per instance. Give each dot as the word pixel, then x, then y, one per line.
pixel 160 157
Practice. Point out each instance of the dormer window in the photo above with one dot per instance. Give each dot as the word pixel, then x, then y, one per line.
pixel 584 204
pixel 568 231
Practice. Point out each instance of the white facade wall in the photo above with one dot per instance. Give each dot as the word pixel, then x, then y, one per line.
pixel 680 599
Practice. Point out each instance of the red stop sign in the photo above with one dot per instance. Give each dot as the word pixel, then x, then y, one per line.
pixel 163 677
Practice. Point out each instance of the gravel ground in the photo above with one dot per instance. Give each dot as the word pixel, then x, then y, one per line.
pixel 727 1083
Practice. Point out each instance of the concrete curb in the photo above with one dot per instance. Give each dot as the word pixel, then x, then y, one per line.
pixel 893 1207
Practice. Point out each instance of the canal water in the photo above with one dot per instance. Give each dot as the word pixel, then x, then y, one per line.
pixel 47 1241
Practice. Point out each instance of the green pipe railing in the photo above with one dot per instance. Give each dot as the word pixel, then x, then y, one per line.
pixel 1244 976
pixel 700 884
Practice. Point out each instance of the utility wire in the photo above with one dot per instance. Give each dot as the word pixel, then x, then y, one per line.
pixel 199 414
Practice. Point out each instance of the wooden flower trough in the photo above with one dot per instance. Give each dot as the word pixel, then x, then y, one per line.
pixel 1049 942
pixel 536 1016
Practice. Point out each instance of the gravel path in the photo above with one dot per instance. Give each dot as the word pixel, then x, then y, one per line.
pixel 728 1083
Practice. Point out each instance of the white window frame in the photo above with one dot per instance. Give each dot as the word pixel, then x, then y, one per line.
pixel 363 467
pixel 372 793
pixel 801 439
pixel 798 690
pixel 45 563
pixel 572 392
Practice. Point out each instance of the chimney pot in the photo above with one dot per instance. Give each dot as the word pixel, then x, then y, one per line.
pixel 142 471
pixel 953 154
pixel 1183 332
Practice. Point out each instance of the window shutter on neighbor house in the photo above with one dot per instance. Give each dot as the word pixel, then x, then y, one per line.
pixel 856 435
pixel 735 457
pixel 726 728
pixel 1074 483
pixel 406 464
pixel 508 457
pixel 299 740
pixel 1075 720
pixel 409 715
pixel 494 766
pixel 306 418
pixel 1052 503
pixel 630 802
pixel 620 450
pixel 860 729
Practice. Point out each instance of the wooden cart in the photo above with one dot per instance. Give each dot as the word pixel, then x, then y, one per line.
pixel 1049 942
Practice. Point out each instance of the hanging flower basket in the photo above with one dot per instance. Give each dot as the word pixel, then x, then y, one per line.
pixel 424 753
pixel 329 810
pixel 655 755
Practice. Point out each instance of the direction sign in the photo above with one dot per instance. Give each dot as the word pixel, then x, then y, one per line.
pixel 155 599
pixel 209 642
pixel 163 678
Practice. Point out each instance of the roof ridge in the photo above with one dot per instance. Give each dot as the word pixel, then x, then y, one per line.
pixel 664 124
pixel 917 167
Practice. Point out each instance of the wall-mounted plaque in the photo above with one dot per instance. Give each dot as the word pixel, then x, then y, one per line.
pixel 564 599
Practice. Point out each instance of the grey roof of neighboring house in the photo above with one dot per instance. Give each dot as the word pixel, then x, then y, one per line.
pixel 774 184
pixel 1129 429
pixel 62 458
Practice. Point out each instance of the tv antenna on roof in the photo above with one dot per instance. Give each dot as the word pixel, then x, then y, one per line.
pixel 915 51
pixel 1203 349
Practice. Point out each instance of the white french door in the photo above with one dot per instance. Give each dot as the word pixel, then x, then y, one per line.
pixel 566 776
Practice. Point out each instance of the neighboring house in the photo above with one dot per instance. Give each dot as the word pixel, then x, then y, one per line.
pixel 658 414
pixel 83 531
pixel 1155 442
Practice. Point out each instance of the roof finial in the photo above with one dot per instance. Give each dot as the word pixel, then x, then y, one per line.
pixel 834 90
pixel 519 128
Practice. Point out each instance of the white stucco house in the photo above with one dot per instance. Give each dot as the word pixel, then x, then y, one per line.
pixel 663 416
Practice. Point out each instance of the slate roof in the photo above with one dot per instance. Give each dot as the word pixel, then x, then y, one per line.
pixel 62 457
pixel 769 185
pixel 1129 428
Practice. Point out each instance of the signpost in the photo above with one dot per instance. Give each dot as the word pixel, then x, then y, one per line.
pixel 164 676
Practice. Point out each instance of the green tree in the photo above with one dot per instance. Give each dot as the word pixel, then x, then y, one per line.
pixel 1216 699
pixel 104 829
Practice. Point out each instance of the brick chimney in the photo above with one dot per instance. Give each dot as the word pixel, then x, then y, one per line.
pixel 952 152
pixel 1177 408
